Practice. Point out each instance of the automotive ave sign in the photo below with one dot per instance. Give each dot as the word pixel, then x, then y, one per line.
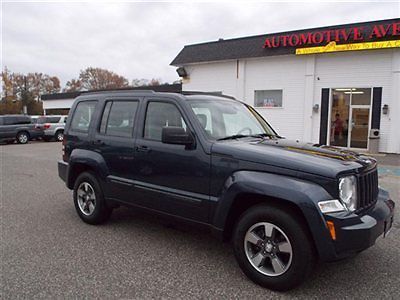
pixel 344 35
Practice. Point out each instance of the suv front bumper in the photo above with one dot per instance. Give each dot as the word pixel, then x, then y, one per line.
pixel 357 232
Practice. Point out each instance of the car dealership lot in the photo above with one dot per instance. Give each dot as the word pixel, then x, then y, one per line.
pixel 47 251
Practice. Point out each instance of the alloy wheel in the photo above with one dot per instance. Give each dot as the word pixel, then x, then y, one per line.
pixel 23 138
pixel 60 136
pixel 86 198
pixel 268 249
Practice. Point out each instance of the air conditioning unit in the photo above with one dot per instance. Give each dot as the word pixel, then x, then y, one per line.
pixel 374 134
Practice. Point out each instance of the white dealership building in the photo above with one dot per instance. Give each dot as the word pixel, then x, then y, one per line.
pixel 337 85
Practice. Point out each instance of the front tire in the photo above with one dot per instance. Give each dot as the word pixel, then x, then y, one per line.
pixel 22 137
pixel 273 248
pixel 89 200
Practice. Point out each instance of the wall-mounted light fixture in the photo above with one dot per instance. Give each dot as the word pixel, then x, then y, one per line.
pixel 315 107
pixel 385 109
pixel 182 72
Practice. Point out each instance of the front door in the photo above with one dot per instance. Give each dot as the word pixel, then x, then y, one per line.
pixel 350 117
pixel 170 178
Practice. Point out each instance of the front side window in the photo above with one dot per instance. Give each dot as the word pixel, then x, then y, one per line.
pixel 118 118
pixel 224 118
pixel 83 115
pixel 159 115
pixel 268 98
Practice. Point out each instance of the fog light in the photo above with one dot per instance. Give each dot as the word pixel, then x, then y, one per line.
pixel 330 206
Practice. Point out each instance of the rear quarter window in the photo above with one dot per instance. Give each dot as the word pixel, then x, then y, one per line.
pixel 53 119
pixel 82 116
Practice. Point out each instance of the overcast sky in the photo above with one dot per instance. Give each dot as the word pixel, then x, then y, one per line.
pixel 139 40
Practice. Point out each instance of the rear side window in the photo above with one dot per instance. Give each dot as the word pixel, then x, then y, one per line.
pixel 118 118
pixel 15 120
pixel 43 120
pixel 8 120
pixel 83 115
pixel 53 119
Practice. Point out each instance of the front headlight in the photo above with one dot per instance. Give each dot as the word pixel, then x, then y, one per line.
pixel 348 192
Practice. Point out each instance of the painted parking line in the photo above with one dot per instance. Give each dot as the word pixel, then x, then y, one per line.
pixel 389 170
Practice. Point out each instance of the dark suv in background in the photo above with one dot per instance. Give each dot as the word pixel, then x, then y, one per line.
pixel 18 128
pixel 214 161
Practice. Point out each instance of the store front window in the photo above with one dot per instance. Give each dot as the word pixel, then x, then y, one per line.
pixel 350 117
pixel 268 98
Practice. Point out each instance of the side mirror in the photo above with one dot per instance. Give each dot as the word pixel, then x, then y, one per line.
pixel 176 135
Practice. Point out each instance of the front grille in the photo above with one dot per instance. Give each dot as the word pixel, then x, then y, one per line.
pixel 367 189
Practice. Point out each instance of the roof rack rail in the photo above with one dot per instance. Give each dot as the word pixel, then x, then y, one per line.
pixel 219 94
pixel 120 91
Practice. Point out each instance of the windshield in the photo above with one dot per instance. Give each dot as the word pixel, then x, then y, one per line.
pixel 222 119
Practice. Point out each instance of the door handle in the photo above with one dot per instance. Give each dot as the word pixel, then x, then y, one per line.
pixel 144 149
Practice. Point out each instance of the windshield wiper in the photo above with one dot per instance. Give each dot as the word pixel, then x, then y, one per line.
pixel 271 135
pixel 232 137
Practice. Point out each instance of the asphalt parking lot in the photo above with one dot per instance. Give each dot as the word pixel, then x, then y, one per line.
pixel 47 252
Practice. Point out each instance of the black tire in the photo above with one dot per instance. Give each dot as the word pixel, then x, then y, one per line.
pixel 23 137
pixel 302 251
pixel 59 136
pixel 102 211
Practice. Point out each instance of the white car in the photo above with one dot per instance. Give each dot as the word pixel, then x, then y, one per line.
pixel 52 126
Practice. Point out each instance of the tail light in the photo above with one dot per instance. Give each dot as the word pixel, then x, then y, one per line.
pixel 64 154
pixel 46 126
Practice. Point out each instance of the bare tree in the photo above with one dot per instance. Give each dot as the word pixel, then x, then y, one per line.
pixel 97 79
pixel 74 85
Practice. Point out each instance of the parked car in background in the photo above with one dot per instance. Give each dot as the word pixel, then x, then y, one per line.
pixel 18 128
pixel 34 119
pixel 52 126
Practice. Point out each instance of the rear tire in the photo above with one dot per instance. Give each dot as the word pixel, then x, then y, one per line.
pixel 89 200
pixel 273 248
pixel 22 137
pixel 59 136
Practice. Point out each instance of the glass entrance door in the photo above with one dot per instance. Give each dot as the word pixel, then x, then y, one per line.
pixel 359 127
pixel 350 117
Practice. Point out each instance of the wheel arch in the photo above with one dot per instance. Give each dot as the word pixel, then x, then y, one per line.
pixel 244 201
pixel 23 131
pixel 245 189
pixel 85 160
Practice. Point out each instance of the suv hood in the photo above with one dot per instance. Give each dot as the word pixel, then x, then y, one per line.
pixel 304 157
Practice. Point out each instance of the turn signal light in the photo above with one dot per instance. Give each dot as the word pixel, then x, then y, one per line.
pixel 332 231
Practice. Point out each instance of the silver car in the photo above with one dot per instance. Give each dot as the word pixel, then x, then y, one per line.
pixel 52 126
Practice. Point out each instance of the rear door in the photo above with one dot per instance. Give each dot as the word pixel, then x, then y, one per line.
pixel 114 140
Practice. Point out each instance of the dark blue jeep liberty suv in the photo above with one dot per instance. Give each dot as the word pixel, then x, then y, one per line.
pixel 214 161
